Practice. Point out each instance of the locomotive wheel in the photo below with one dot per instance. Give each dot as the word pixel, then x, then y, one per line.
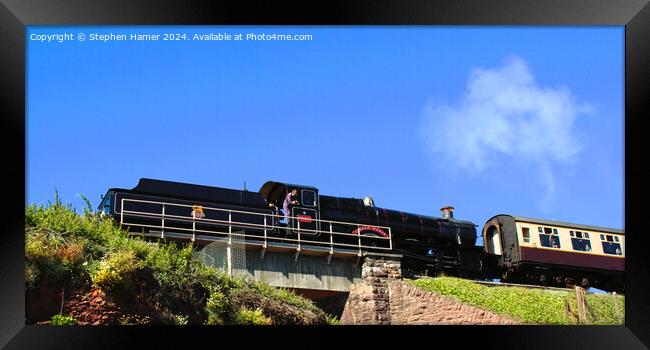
pixel 569 282
pixel 507 275
pixel 541 280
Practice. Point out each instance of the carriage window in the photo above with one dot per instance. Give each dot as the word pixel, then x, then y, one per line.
pixel 611 247
pixel 526 232
pixel 548 237
pixel 580 243
pixel 308 198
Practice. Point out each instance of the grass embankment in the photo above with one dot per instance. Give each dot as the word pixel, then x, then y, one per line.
pixel 67 253
pixel 527 305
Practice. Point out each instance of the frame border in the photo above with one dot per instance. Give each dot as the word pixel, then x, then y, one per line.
pixel 15 15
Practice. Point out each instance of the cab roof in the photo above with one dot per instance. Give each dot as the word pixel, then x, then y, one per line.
pixel 274 189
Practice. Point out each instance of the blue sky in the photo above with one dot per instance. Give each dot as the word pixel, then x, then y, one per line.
pixel 520 120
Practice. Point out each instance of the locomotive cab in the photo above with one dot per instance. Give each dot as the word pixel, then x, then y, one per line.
pixel 304 216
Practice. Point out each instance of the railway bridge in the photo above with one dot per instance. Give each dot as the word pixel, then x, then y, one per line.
pixel 323 269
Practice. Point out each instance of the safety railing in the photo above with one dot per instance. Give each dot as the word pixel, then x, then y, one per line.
pixel 258 226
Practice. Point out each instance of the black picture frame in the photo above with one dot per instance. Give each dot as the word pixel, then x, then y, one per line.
pixel 15 15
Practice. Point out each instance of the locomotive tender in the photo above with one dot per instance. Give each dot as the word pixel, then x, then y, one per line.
pixel 429 245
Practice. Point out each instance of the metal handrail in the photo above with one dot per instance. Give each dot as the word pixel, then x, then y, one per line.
pixel 242 212
pixel 248 224
pixel 268 238
pixel 359 225
pixel 265 227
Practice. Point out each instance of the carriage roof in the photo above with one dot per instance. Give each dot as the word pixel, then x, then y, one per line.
pixel 563 224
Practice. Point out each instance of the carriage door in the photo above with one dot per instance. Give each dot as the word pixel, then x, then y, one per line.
pixel 306 214
pixel 493 241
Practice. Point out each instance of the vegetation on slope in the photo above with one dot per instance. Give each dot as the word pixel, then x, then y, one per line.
pixel 158 283
pixel 526 305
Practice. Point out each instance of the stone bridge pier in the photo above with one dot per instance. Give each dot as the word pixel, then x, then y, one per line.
pixel 369 301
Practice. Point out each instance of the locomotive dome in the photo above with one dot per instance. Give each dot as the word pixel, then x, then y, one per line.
pixel 447 212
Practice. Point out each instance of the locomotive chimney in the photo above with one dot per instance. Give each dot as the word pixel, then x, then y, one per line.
pixel 447 212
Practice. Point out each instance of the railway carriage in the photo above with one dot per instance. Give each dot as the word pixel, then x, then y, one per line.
pixel 549 252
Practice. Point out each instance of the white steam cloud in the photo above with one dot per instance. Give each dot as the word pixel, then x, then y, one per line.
pixel 504 112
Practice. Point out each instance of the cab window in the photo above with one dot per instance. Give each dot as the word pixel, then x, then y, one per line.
pixel 308 198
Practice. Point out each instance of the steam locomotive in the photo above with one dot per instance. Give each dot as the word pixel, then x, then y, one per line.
pixel 428 245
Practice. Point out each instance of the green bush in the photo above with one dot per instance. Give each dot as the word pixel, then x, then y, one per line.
pixel 52 257
pixel 60 320
pixel 65 248
pixel 128 319
pixel 116 271
pixel 252 317
pixel 217 307
pixel 332 320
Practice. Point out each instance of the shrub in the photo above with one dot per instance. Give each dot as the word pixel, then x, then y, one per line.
pixel 60 320
pixel 332 320
pixel 217 307
pixel 51 257
pixel 161 278
pixel 115 272
pixel 252 317
pixel 134 320
pixel 31 275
